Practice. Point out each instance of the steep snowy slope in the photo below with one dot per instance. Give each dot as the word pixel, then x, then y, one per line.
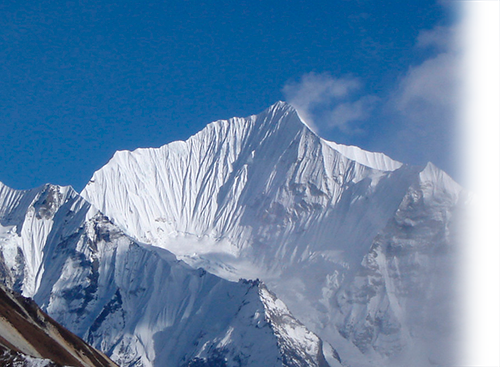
pixel 29 337
pixel 401 302
pixel 265 197
pixel 139 304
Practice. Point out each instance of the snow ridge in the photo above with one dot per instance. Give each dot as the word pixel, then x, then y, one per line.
pixel 265 197
pixel 138 304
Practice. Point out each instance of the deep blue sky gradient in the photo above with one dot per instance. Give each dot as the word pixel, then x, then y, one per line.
pixel 82 79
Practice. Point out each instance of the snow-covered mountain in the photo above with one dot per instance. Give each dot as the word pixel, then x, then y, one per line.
pixel 360 247
pixel 138 303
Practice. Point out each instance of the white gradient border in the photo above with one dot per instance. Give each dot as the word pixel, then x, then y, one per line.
pixel 480 112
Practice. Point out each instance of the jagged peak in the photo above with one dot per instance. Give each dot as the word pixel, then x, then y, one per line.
pixel 375 160
pixel 281 107
pixel 432 173
pixel 42 188
pixel 285 107
pixel 279 113
pixel 280 116
pixel 64 190
pixel 46 200
pixel 11 195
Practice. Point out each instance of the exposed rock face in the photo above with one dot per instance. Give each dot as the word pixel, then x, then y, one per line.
pixel 29 337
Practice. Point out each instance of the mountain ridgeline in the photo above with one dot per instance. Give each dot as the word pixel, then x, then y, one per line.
pixel 355 252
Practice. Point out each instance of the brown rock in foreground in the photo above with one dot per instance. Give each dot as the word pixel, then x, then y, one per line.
pixel 29 336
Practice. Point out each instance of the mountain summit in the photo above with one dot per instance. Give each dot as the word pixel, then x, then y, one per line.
pixel 355 243
pixel 149 262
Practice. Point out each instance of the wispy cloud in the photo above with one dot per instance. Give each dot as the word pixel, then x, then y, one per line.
pixel 441 37
pixel 414 121
pixel 431 85
pixel 435 81
pixel 324 102
pixel 347 112
pixel 425 100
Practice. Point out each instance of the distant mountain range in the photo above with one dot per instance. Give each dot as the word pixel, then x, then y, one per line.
pixel 156 262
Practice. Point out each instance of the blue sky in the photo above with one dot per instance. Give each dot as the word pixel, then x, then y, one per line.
pixel 81 79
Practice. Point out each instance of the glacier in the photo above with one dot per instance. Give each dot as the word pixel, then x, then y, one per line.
pixel 359 246
pixel 138 303
pixel 156 262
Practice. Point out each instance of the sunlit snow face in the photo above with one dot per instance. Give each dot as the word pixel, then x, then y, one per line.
pixel 162 72
pixel 356 244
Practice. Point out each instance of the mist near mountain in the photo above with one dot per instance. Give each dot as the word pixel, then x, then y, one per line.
pixel 146 263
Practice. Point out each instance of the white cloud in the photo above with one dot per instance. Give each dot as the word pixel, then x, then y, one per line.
pixel 424 104
pixel 435 81
pixel 321 100
pixel 347 112
pixel 442 37
pixel 414 123
pixel 432 84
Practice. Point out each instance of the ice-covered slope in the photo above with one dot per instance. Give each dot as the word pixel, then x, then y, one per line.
pixel 139 304
pixel 27 223
pixel 265 197
pixel 373 160
pixel 261 184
